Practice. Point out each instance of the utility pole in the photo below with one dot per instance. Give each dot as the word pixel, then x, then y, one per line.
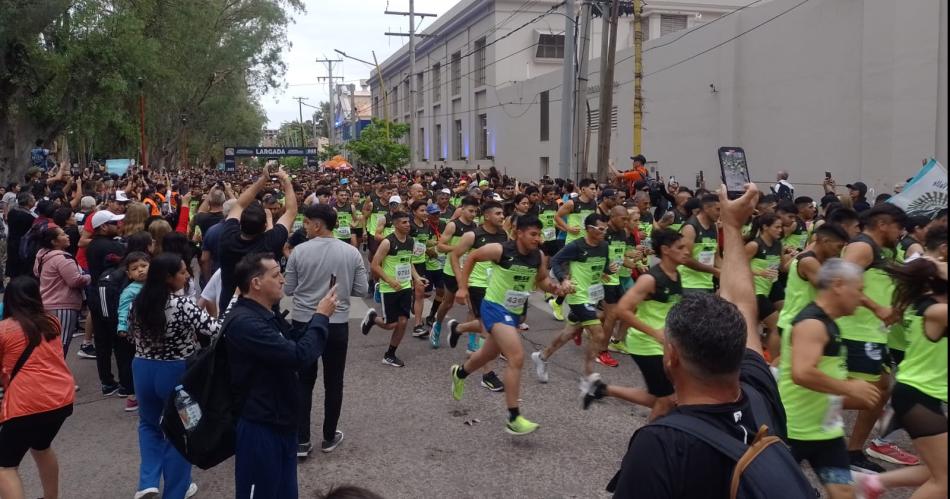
pixel 608 54
pixel 580 95
pixel 331 129
pixel 355 115
pixel 567 93
pixel 303 134
pixel 412 75
pixel 637 77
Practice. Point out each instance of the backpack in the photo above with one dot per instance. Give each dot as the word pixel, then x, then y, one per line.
pixel 108 291
pixel 764 469
pixel 207 379
pixel 30 243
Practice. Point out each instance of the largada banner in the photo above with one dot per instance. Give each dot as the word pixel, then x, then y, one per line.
pixel 926 193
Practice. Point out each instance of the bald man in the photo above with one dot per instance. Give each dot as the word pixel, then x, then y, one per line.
pixel 417 193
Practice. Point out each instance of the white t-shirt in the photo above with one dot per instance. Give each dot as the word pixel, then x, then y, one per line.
pixel 212 290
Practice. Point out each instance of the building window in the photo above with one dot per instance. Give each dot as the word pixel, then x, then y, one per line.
pixel 421 144
pixel 456 73
pixel 420 101
pixel 545 116
pixel 593 119
pixel 457 142
pixel 407 98
pixel 480 73
pixel 437 150
pixel 545 166
pixel 395 102
pixel 482 136
pixel 550 47
pixel 670 23
pixel 436 83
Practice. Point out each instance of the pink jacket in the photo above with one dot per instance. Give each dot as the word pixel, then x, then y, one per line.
pixel 62 281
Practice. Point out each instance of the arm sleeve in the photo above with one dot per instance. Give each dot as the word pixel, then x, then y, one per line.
pixel 125 304
pixel 198 320
pixel 182 219
pixel 71 273
pixel 360 285
pixel 562 257
pixel 290 274
pixel 261 340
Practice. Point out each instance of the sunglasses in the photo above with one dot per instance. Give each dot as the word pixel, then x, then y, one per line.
pixel 597 228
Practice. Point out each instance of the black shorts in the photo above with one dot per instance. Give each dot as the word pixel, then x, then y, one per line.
pixel 421 271
pixel 896 356
pixel 475 297
pixel 918 413
pixel 451 285
pixel 358 231
pixel 35 431
pixel 765 305
pixel 829 458
pixel 651 366
pixel 584 314
pixel 778 288
pixel 396 305
pixel 435 278
pixel 612 294
pixel 550 248
pixel 866 360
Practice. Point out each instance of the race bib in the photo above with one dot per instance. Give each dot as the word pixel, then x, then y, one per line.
pixel 418 249
pixel 488 271
pixel 595 292
pixel 833 420
pixel 549 234
pixel 441 259
pixel 515 300
pixel 403 272
pixel 343 231
pixel 707 257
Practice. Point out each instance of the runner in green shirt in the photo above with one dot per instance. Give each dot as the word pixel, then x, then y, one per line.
pixel 702 239
pixel 422 252
pixel 767 260
pixel 346 215
pixel 392 265
pixel 813 379
pixel 518 267
pixel 620 245
pixel 454 230
pixel 571 215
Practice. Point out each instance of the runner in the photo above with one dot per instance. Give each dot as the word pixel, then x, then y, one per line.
pixel 813 380
pixel 518 267
pixel 346 215
pixel 422 252
pixel 702 239
pixel 454 230
pixel 619 243
pixel 392 265
pixel 588 267
pixel 767 260
pixel 434 263
pixel 572 214
pixel 547 213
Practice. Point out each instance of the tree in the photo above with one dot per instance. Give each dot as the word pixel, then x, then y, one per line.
pixel 375 148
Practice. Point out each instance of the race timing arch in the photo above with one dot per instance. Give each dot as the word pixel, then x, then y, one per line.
pixel 230 153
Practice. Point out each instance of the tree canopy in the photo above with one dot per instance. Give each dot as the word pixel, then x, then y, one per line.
pixel 379 145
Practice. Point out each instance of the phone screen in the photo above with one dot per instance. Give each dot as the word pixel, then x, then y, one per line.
pixel 332 280
pixel 735 170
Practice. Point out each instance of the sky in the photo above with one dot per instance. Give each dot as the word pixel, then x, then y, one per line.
pixel 355 27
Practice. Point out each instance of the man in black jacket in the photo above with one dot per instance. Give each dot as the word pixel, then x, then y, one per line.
pixel 264 365
pixel 104 253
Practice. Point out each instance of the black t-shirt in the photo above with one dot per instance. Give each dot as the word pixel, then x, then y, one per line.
pixel 19 222
pixel 233 248
pixel 298 237
pixel 205 220
pixel 663 462
pixel 103 253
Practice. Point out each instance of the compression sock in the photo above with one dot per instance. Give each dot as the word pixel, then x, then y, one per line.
pixel 513 413
pixel 436 303
pixel 461 373
pixel 391 352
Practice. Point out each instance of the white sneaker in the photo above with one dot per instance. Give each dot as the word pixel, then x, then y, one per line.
pixel 540 367
pixel 192 490
pixel 149 493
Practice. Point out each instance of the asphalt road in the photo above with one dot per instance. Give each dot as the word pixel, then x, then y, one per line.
pixel 405 435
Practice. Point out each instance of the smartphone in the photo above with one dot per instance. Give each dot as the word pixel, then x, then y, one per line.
pixel 671 181
pixel 332 280
pixel 735 170
pixel 827 175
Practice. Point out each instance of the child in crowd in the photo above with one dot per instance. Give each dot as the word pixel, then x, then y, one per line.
pixel 136 268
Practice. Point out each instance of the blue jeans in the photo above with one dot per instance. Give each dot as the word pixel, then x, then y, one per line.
pixel 155 382
pixel 265 462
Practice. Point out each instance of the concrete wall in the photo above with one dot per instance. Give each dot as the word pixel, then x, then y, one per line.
pixel 857 87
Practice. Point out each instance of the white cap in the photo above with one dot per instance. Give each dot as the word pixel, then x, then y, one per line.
pixel 395 199
pixel 103 217
pixel 121 197
pixel 446 191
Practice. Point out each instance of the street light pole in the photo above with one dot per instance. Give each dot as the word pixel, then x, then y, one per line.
pixel 142 157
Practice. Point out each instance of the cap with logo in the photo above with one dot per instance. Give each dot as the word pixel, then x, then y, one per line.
pixel 103 217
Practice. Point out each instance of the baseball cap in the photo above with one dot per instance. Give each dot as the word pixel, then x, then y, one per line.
pixel 608 193
pixel 859 186
pixel 103 217
pixel 446 191
pixel 121 197
pixel 483 183
pixel 433 209
pixel 395 199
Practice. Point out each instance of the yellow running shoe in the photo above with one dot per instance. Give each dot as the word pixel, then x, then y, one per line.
pixel 521 426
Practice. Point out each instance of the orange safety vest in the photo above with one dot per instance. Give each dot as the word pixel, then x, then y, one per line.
pixel 153 209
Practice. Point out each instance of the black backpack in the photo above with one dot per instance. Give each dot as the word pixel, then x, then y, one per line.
pixel 207 379
pixel 30 244
pixel 108 290
pixel 765 469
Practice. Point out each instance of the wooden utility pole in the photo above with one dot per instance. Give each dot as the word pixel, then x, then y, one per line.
pixel 580 96
pixel 303 134
pixel 608 54
pixel 637 77
pixel 567 94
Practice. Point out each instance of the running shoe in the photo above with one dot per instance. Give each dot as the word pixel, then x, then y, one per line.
pixel 557 309
pixel 436 334
pixel 868 486
pixel 87 351
pixel 419 331
pixel 472 343
pixel 454 333
pixel 617 346
pixel 392 360
pixel 110 390
pixel 861 463
pixel 540 367
pixel 123 392
pixel 131 405
pixel 192 490
pixel 606 359
pixel 149 493
pixel 329 445
pixel 304 449
pixel 886 451
pixel 523 326
pixel 368 321
pixel 492 382
pixel 578 338
pixel 591 390
pixel 458 384
pixel 521 426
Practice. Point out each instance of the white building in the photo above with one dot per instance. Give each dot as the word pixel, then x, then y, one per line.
pixel 479 47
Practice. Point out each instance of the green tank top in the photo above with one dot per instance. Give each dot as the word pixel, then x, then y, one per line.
pixel 586 271
pixel 798 293
pixel 546 216
pixel 513 277
pixel 901 251
pixel 397 263
pixel 576 218
pixel 423 235
pixel 482 271
pixel 646 229
pixel 863 325
pixel 767 257
pixel 460 229
pixel 379 210
pixel 798 237
pixel 618 243
pixel 704 251
pixel 813 415
pixel 925 364
pixel 344 222
pixel 678 220
pixel 653 312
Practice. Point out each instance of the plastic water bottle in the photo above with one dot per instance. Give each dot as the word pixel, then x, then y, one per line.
pixel 188 409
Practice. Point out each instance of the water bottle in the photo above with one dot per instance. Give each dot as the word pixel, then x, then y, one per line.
pixel 188 409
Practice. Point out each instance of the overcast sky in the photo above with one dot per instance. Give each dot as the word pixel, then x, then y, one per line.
pixel 355 27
